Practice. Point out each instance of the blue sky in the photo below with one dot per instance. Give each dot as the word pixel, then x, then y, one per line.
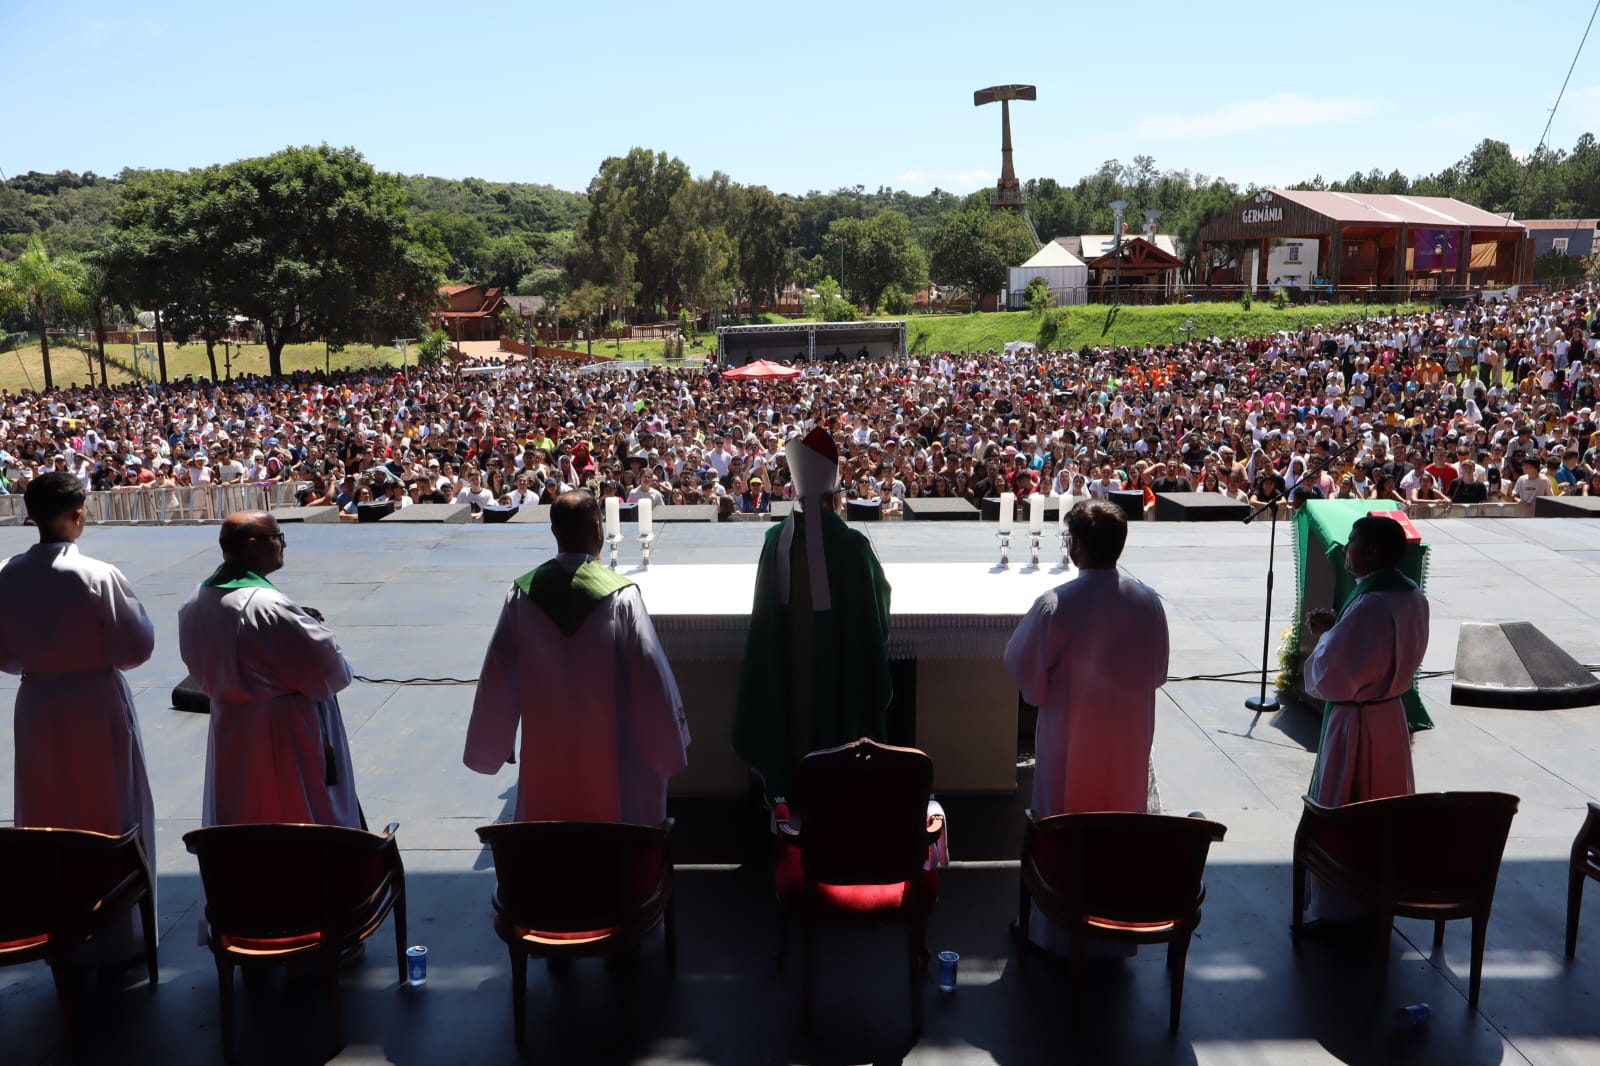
pixel 794 96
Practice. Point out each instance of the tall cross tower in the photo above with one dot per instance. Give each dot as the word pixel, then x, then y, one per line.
pixel 1008 191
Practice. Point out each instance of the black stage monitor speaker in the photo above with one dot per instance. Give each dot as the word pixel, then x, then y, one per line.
pixel 1514 665
pixel 186 697
pixel 1131 502
pixel 1566 507
pixel 374 512
pixel 494 515
pixel 862 511
pixel 1199 507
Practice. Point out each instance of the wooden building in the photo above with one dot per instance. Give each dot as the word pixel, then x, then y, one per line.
pixel 1137 271
pixel 469 312
pixel 1384 246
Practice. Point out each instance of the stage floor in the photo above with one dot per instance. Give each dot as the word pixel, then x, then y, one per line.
pixel 422 600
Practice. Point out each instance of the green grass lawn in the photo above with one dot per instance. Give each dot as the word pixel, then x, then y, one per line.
pixel 1099 325
pixel 24 367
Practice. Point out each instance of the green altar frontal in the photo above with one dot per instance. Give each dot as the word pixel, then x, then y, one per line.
pixel 1321 530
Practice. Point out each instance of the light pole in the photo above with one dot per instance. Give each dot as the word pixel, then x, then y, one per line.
pixel 1117 208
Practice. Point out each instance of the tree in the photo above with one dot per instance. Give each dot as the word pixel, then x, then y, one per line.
pixel 879 253
pixel 623 244
pixel 765 232
pixel 49 285
pixel 972 249
pixel 316 243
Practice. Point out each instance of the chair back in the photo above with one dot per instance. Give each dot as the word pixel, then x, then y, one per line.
pixel 1136 868
pixel 55 879
pixel 1435 848
pixel 278 881
pixel 866 813
pixel 578 877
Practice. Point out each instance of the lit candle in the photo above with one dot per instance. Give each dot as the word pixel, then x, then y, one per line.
pixel 646 519
pixel 613 517
pixel 1036 513
pixel 1008 510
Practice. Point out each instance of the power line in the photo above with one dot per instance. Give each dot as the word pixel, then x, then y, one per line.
pixel 1551 120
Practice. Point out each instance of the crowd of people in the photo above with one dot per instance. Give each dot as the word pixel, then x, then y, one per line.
pixel 1473 403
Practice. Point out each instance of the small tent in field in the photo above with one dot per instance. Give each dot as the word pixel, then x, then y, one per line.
pixel 1064 272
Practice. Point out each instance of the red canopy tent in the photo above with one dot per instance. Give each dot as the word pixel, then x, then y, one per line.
pixel 762 370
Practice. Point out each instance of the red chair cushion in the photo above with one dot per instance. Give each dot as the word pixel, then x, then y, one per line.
pixel 789 877
pixel 275 946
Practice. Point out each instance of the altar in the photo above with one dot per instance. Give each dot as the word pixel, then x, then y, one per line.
pixel 949 624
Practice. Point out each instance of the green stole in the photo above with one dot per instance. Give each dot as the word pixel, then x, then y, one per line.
pixel 568 597
pixel 236 576
pixel 1390 580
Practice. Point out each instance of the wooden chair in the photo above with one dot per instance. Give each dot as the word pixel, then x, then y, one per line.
pixel 276 893
pixel 1585 863
pixel 573 889
pixel 1126 878
pixel 861 854
pixel 1434 856
pixel 63 888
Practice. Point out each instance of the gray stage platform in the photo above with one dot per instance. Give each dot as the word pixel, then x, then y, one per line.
pixel 411 600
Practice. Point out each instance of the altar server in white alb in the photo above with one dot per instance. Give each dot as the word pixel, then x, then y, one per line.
pixel 1091 654
pixel 575 662
pixel 70 625
pixel 272 670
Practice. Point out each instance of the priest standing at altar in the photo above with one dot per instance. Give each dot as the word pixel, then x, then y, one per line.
pixel 576 665
pixel 816 663
pixel 1091 654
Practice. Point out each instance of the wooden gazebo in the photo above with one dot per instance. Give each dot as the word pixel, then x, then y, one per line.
pixel 1137 272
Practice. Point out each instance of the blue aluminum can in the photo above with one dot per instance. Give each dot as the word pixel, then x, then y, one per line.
pixel 1412 1017
pixel 416 966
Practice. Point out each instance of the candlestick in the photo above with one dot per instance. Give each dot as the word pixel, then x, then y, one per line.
pixel 1036 513
pixel 613 517
pixel 646 519
pixel 1008 510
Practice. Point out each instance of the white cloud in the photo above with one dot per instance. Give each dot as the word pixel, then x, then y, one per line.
pixel 1254 116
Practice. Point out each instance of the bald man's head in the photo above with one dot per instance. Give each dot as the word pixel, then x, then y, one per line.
pixel 252 539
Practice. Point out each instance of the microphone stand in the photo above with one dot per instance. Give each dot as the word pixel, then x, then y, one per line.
pixel 1264 702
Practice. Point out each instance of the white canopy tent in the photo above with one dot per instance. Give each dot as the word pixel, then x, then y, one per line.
pixel 1064 272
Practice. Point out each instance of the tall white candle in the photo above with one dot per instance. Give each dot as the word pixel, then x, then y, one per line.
pixel 1008 510
pixel 1036 513
pixel 613 517
pixel 646 519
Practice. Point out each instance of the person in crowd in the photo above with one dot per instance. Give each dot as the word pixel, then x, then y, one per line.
pixel 70 627
pixel 1532 484
pixel 755 500
pixel 277 750
pixel 1365 659
pixel 1468 487
pixel 576 665
pixel 816 662
pixel 1091 655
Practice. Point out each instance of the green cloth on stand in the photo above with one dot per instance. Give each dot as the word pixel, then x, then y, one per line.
pixel 850 684
pixel 568 597
pixel 1322 528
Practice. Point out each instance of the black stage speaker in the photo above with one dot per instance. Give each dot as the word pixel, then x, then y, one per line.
pixel 374 512
pixel 862 511
pixel 1199 507
pixel 1567 507
pixel 939 509
pixel 1131 502
pixel 494 515
pixel 1513 664
pixel 186 697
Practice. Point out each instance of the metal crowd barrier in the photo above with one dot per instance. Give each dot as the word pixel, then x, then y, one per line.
pixel 165 506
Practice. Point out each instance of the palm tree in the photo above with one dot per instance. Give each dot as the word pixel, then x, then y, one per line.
pixel 46 284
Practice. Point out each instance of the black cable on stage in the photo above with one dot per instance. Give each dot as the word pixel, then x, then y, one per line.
pixel 417 680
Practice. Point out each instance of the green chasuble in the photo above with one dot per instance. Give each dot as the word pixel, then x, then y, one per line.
pixel 568 597
pixel 236 576
pixel 847 648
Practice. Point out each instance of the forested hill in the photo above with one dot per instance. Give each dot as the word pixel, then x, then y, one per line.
pixel 496 231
